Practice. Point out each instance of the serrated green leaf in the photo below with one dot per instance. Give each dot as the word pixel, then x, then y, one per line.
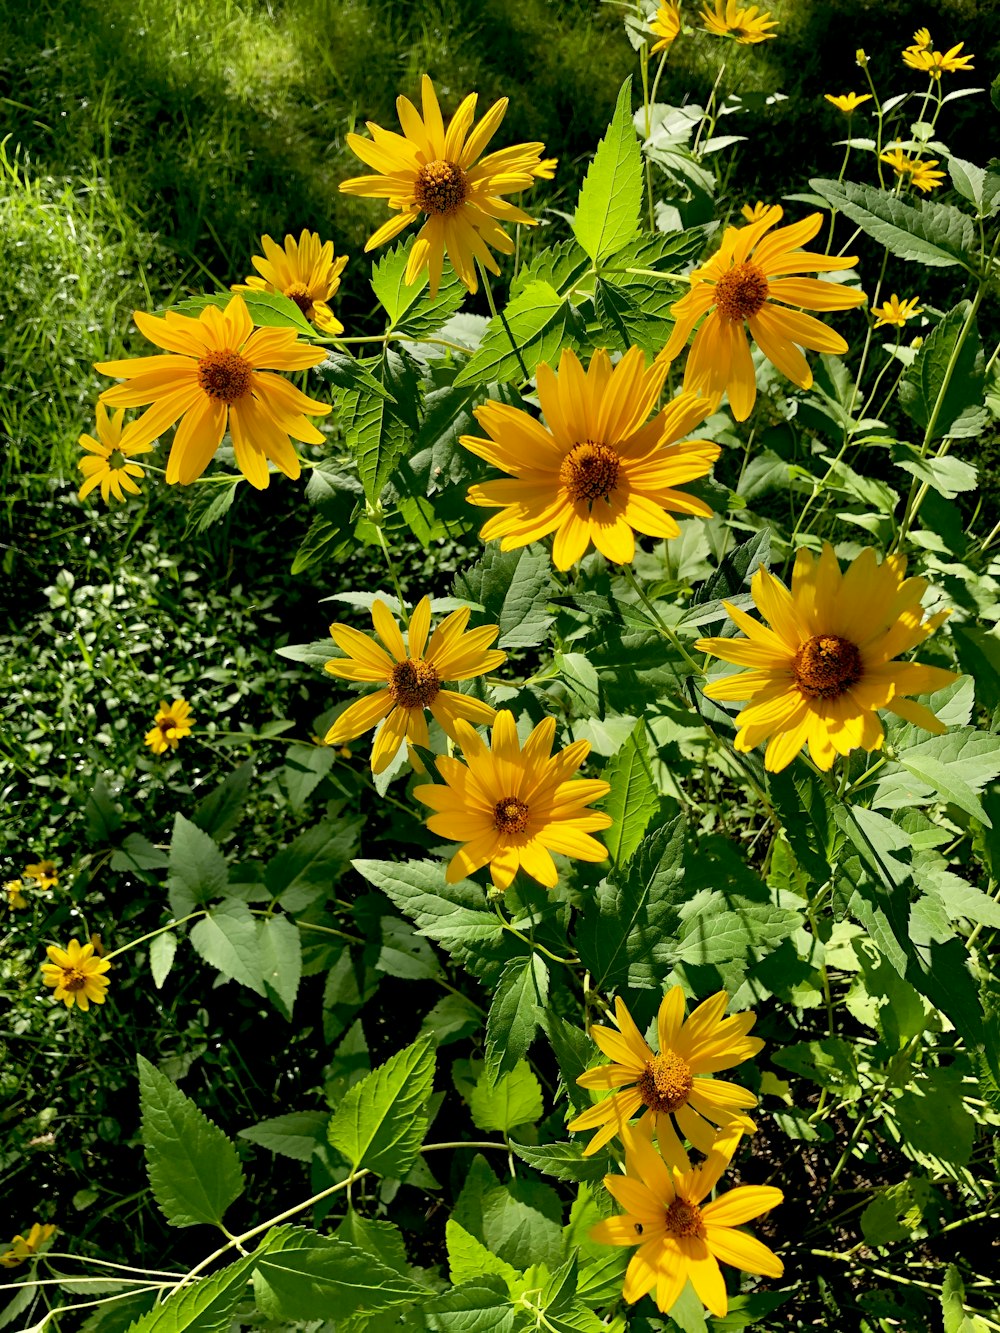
pixel 102 816
pixel 469 1259
pixel 931 234
pixel 325 539
pixel 411 310
pixel 205 1306
pixel 531 328
pixel 517 1002
pixel 380 1123
pixel 193 1168
pixel 297 1134
pixel 513 589
pixel 227 938
pixel 137 854
pixel 330 1279
pixel 947 475
pixel 961 412
pixel 607 214
pixel 515 1099
pixel 481 1306
pixel 280 960
pixel 313 862
pixel 633 798
pixel 198 870
pixel 957 766
pixel 218 813
pixel 161 956
pixel 565 1161
pixel 979 186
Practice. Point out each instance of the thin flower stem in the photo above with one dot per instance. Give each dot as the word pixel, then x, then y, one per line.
pixel 644 74
pixel 392 573
pixel 533 944
pixel 502 318
pixel 664 629
pixel 153 933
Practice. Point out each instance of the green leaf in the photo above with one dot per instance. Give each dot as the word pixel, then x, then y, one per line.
pixel 381 1122
pixel 297 1134
pixel 327 1278
pixel 382 1239
pixel 469 1259
pixel 198 870
pixel 482 1306
pixel 103 818
pixel 933 1118
pixel 227 938
pixel 519 1220
pixel 896 1211
pixel 957 766
pixel 210 504
pixel 137 854
pixel 979 654
pixel 530 329
pixel 515 1099
pixel 962 412
pixel 307 867
pixel 947 475
pixel 322 534
pixel 193 1168
pixel 513 588
pixel 607 214
pixel 280 960
pixel 161 956
pixel 565 1161
pixel 979 186
pixel 205 1306
pixel 934 235
pixel 412 311
pixel 514 1013
pixel 305 768
pixel 633 798
pixel 218 813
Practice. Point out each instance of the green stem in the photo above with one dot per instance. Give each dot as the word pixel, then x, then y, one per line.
pixel 153 933
pixel 392 573
pixel 532 944
pixel 502 318
pixel 664 629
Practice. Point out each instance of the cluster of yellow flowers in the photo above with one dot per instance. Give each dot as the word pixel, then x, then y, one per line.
pixel 40 877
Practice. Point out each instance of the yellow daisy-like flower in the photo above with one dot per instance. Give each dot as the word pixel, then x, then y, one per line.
pixel 23 1248
pixel 440 174
pixel 918 170
pixel 15 898
pixel 217 376
pixel 76 974
pixel 743 284
pixel 936 63
pixel 511 807
pixel 676 1082
pixel 848 102
pixel 44 873
pixel 412 676
pixel 305 271
pixel 107 463
pixel 598 472
pixel 827 664
pixel 746 26
pixel 171 724
pixel 666 25
pixel 895 311
pixel 759 211
pixel 922 39
pixel 681 1238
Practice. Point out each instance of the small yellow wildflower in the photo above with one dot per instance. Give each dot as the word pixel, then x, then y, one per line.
pixel 759 211
pixel 666 25
pixel 936 63
pixel 895 311
pixel 921 173
pixel 746 26
pixel 922 39
pixel 44 873
pixel 107 462
pixel 170 726
pixel 305 271
pixel 15 898
pixel 76 974
pixel 23 1248
pixel 848 102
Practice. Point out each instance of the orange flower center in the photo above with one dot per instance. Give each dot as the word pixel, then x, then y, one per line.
pixel 300 295
pixel 510 815
pixel 684 1219
pixel 666 1082
pixel 741 292
pixel 826 665
pixel 73 979
pixel 225 375
pixel 414 684
pixel 440 187
pixel 590 471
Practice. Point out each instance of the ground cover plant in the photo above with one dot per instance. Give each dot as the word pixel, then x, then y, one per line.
pixel 509 841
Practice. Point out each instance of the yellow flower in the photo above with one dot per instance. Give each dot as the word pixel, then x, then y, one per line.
pixel 44 873
pixel 217 375
pixel 680 1237
pixel 598 471
pixel 895 311
pixel 935 63
pixel 26 1247
pixel 666 25
pixel 920 172
pixel 741 284
pixel 15 898
pixel 827 664
pixel 437 173
pixel 747 26
pixel 76 974
pixel 170 726
pixel 848 102
pixel 412 678
pixel 107 461
pixel 922 39
pixel 860 57
pixel 96 941
pixel 305 271
pixel 758 211
pixel 511 807
pixel 676 1082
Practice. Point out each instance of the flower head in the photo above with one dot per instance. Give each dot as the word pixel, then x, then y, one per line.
pixel 747 282
pixel 666 25
pixel 107 461
pixel 759 211
pixel 44 873
pixel 848 102
pixel 936 63
pixel 919 170
pixel 746 26
pixel 217 375
pixel 440 174
pixel 598 471
pixel 15 898
pixel 895 311
pixel 511 806
pixel 411 674
pixel 170 726
pixel 819 675
pixel 922 39
pixel 675 1082
pixel 76 974
pixel 680 1237
pixel 305 271
pixel 23 1248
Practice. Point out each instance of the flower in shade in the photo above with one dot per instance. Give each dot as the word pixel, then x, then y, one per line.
pixel 895 311
pixel 861 57
pixel 411 674
pixel 44 873
pixel 598 471
pixel 922 39
pixel 217 374
pixel 108 458
pixel 848 102
pixel 919 171
pixel 759 211
pixel 171 724
pixel 746 26
pixel 680 1237
pixel 749 282
pixel 77 974
pixel 828 663
pixel 441 175
pixel 512 806
pixel 673 1085
pixel 15 898
pixel 305 271
pixel 936 63
pixel 23 1248
pixel 666 25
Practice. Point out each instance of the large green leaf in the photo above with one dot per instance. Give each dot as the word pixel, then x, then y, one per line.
pixel 957 766
pixel 514 1012
pixel 193 1168
pixel 197 868
pixel 325 1277
pixel 218 813
pixel 633 798
pixel 381 1122
pixel 227 938
pixel 513 588
pixel 378 415
pixel 411 310
pixel 297 1134
pixel 607 214
pixel 204 1306
pixel 565 1161
pixel 482 1306
pixel 962 412
pixel 513 1099
pixel 313 862
pixel 281 960
pixel 531 328
pixel 934 235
